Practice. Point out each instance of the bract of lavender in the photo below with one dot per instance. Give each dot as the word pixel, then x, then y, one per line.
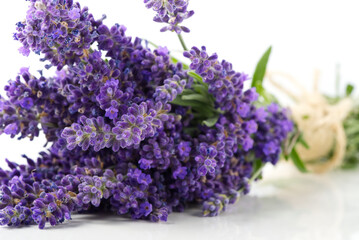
pixel 130 130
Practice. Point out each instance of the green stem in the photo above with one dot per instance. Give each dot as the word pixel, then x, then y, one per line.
pixel 257 173
pixel 292 143
pixel 182 42
pixel 151 43
pixel 254 176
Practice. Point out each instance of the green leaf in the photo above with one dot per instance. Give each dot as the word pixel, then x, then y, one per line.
pixel 303 142
pixel 268 98
pixel 257 165
pixel 200 88
pixel 260 71
pixel 210 122
pixel 352 130
pixel 175 60
pixel 205 111
pixel 297 161
pixel 195 76
pixel 190 130
pixel 354 140
pixel 349 90
pixel 151 43
pixel 180 102
pixel 187 91
pixel 185 66
pixel 196 97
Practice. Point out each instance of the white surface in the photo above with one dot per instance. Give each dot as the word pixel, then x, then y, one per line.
pixel 285 207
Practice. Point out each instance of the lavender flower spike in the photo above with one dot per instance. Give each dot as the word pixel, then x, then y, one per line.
pixel 64 36
pixel 172 12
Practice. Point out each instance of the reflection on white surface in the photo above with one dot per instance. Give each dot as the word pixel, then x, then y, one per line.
pixel 299 207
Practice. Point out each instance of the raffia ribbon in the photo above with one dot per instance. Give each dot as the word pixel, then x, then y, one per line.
pixel 320 122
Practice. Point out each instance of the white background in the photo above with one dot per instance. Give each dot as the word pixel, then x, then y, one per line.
pixel 305 35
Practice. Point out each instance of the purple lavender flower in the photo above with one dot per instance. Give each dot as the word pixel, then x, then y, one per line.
pixel 271 133
pixel 140 177
pixel 53 208
pixel 63 36
pixel 261 115
pixel 140 122
pixel 159 149
pixel 160 214
pixel 247 143
pixel 162 51
pixel 224 83
pixel 273 108
pixel 171 88
pixel 201 61
pixel 215 205
pixel 23 50
pixel 251 95
pixel 145 208
pixel 172 12
pixel 111 97
pixel 33 104
pixel 74 14
pixel 243 109
pixel 270 148
pixel 250 126
pixel 5 197
pixel 111 112
pixel 26 103
pixel 93 132
pixel 180 173
pixel 206 159
pixel 184 149
pixel 145 164
pixel 15 216
pixel 11 129
pixel 93 189
pixel 115 139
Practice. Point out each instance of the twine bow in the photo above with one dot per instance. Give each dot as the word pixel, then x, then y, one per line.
pixel 320 121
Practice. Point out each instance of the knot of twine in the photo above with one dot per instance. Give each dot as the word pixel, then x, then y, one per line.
pixel 320 122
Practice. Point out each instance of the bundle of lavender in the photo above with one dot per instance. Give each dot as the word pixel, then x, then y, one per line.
pixel 327 127
pixel 130 130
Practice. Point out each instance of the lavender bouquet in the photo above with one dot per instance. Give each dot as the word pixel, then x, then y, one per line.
pixel 130 130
